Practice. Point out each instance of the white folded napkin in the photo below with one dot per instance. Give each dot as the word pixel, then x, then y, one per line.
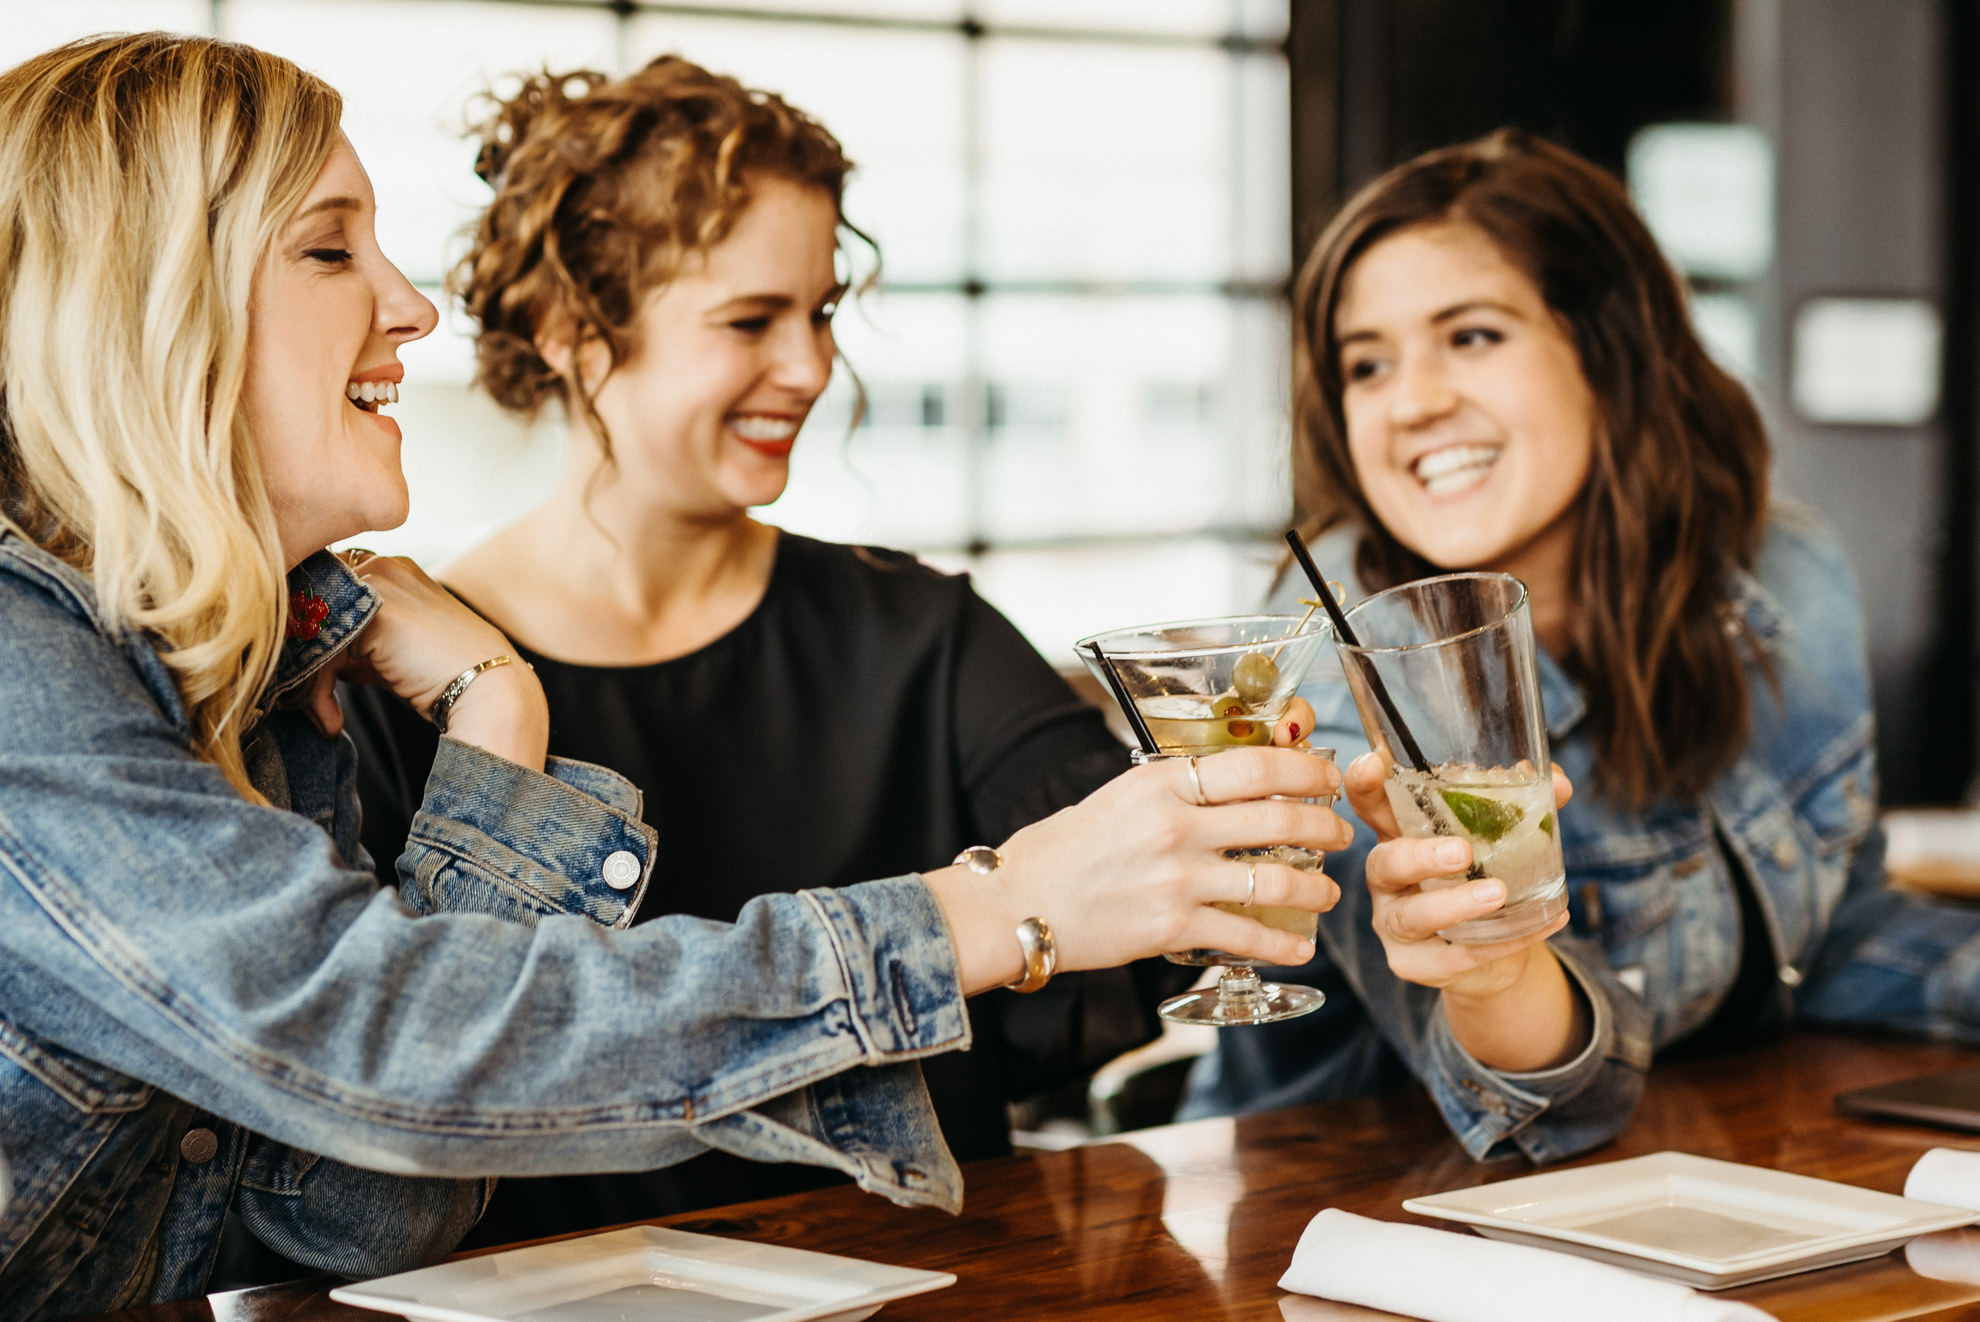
pixel 1945 1175
pixel 1444 1277
pixel 1950 1176
pixel 1950 1255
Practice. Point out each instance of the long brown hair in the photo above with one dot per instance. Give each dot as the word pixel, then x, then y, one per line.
pixel 603 187
pixel 1677 485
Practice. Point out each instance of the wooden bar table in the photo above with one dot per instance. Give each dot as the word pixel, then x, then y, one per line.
pixel 1199 1220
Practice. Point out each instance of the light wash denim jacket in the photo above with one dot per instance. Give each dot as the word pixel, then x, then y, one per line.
pixel 1654 941
pixel 198 994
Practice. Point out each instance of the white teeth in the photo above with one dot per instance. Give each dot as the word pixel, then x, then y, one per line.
pixel 763 429
pixel 371 392
pixel 1455 466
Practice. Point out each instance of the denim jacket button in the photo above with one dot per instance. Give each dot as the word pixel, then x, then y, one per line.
pixel 1786 855
pixel 1790 976
pixel 621 869
pixel 198 1146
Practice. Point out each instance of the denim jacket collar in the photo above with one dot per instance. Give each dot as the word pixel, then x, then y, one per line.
pixel 324 576
pixel 350 606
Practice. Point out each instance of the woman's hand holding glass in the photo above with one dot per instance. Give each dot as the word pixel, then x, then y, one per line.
pixel 1510 1003
pixel 1133 870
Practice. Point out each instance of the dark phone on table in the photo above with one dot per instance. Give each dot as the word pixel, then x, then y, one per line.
pixel 1949 1101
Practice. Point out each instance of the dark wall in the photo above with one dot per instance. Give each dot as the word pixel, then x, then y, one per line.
pixel 1377 81
pixel 1855 95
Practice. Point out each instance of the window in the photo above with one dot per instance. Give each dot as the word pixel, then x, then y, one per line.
pixel 1076 364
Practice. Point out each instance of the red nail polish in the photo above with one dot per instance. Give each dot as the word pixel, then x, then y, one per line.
pixel 1295 729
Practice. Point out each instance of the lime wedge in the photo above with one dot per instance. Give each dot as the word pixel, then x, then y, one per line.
pixel 1485 819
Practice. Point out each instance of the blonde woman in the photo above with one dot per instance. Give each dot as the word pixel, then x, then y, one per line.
pixel 201 984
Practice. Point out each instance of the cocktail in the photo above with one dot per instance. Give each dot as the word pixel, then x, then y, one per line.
pixel 1202 687
pixel 1447 683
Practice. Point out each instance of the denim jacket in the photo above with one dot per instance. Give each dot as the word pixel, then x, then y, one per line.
pixel 199 995
pixel 1655 935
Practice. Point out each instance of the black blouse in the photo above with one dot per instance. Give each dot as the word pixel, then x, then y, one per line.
pixel 871 717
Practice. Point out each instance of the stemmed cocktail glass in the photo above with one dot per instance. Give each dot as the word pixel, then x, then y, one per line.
pixel 1201 687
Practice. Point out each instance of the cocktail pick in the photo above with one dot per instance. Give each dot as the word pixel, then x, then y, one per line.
pixel 1142 734
pixel 1381 690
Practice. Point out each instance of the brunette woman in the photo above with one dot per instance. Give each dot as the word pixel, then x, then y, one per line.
pixel 201 985
pixel 1496 370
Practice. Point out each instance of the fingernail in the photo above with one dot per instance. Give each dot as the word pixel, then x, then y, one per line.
pixel 1293 729
pixel 1451 853
pixel 1488 892
pixel 1305 951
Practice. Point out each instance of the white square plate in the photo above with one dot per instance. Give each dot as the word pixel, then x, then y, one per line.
pixel 1711 1224
pixel 645 1274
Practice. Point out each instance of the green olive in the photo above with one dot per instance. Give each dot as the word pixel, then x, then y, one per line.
pixel 1227 704
pixel 1254 677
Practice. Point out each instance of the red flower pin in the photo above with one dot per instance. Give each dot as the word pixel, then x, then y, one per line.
pixel 307 612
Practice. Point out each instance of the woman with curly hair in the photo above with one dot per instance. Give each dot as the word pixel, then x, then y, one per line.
pixel 661 261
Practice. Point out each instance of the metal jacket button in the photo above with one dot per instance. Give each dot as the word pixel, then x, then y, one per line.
pixel 621 869
pixel 1790 975
pixel 1786 854
pixel 198 1146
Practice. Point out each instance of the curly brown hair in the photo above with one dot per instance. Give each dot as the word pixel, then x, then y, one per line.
pixel 603 187
pixel 1677 490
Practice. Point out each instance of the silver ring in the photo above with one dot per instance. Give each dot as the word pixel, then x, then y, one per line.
pixel 1196 782
pixel 1251 882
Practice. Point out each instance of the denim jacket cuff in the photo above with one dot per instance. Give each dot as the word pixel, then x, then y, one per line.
pixel 586 851
pixel 601 783
pixel 899 966
pixel 1484 1107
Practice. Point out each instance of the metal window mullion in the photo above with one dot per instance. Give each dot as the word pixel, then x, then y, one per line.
pixel 975 403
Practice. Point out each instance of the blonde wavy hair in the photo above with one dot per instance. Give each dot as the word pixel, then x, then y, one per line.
pixel 142 178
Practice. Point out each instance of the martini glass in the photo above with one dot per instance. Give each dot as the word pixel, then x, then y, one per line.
pixel 1202 687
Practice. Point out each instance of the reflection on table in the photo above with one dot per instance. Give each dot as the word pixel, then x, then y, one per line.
pixel 1199 1220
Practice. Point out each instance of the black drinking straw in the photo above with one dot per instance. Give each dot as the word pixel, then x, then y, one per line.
pixel 1381 690
pixel 1132 712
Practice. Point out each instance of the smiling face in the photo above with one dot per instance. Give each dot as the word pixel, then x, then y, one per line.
pixel 732 353
pixel 326 318
pixel 1469 421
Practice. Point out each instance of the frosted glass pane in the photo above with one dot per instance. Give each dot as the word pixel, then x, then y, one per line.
pixel 1262 195
pixel 902 479
pixel 30 28
pixel 471 468
pixel 892 98
pixel 1107 162
pixel 406 93
pixel 1060 594
pixel 1264 19
pixel 1132 416
pixel 949 11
